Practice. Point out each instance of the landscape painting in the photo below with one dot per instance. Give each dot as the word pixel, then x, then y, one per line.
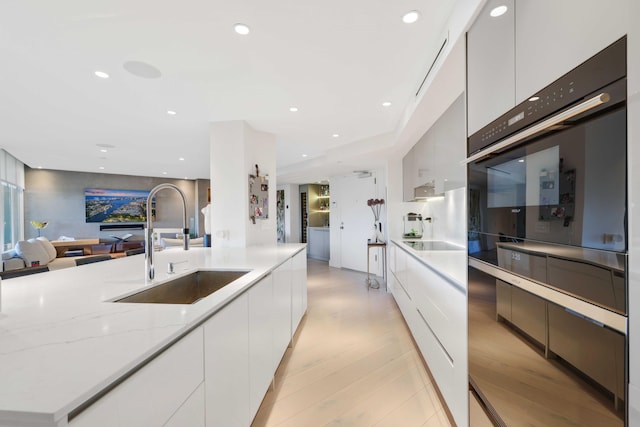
pixel 115 206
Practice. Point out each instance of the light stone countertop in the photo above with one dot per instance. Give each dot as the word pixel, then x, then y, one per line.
pixel 450 264
pixel 62 342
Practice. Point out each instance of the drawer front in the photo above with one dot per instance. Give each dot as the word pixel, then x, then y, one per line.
pixel 152 395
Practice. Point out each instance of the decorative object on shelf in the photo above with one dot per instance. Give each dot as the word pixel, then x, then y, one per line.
pixel 258 196
pixel 39 225
pixel 376 207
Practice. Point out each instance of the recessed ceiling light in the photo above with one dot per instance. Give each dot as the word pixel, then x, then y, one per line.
pixel 101 74
pixel 411 17
pixel 164 173
pixel 534 98
pixel 335 135
pixel 241 29
pixel 39 167
pixel 304 155
pixel 386 104
pixel 103 150
pixel 181 159
pixel 498 11
pixel 521 161
pixel 293 109
pixel 171 112
pixel 101 168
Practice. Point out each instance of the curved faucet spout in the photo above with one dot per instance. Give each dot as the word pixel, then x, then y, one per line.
pixel 149 268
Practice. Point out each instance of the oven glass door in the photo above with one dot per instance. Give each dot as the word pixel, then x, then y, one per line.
pixel 556 205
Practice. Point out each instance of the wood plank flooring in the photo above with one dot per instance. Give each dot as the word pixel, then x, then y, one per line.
pixel 354 362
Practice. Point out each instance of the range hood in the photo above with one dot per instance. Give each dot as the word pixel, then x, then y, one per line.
pixel 425 192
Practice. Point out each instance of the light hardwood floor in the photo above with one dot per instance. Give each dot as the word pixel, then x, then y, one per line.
pixel 353 363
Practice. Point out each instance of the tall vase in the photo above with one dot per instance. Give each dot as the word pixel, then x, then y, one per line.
pixel 377 233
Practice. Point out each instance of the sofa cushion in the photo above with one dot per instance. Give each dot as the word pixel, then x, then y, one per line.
pixel 48 246
pixel 13 264
pixel 11 253
pixel 33 252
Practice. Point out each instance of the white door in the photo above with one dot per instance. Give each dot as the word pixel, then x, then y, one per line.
pixel 356 221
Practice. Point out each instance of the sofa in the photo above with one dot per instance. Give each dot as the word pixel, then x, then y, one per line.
pixel 37 252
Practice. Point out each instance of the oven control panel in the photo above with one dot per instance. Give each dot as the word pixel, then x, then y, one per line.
pixel 597 72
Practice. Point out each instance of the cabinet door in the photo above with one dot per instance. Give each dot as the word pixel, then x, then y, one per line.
pixel 282 278
pixel 424 162
pixel 408 176
pixel 491 65
pixel 191 413
pixel 261 314
pixel 529 313
pixel 449 149
pixel 145 399
pixel 553 37
pixel 226 349
pixel 298 289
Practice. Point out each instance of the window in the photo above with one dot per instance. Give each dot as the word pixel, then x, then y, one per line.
pixel 11 214
pixel 12 196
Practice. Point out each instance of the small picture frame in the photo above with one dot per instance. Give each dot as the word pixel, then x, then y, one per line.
pixel 264 187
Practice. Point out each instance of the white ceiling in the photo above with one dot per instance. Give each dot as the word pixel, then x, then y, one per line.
pixel 335 60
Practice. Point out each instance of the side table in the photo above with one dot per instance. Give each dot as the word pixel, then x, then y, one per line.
pixel 374 283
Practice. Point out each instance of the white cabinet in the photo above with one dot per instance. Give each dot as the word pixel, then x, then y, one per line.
pixel 436 159
pixel 164 388
pixel 282 279
pixel 491 70
pixel 218 374
pixel 408 177
pixel 449 147
pixel 318 243
pixel 226 347
pixel 435 311
pixel 191 413
pixel 261 318
pixel 553 37
pixel 298 289
pixel 424 168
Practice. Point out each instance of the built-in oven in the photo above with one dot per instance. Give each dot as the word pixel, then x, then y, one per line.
pixel 547 230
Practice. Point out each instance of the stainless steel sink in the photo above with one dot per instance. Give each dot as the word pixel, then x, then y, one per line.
pixel 186 289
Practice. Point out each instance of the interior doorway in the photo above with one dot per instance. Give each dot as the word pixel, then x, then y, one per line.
pixel 353 221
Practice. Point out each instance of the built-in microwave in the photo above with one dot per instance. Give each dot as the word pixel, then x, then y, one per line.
pixel 547 242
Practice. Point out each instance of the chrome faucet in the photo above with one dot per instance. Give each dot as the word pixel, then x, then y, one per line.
pixel 148 257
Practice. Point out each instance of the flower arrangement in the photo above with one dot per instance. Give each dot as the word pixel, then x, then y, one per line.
pixel 39 225
pixel 376 206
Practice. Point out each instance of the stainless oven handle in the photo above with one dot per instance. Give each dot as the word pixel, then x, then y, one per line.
pixel 545 124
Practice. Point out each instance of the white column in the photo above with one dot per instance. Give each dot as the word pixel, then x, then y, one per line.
pixel 235 149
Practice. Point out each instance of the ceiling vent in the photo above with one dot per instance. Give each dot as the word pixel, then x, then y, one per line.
pixel 362 174
pixel 444 43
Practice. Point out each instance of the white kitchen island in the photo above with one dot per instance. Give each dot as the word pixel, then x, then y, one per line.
pixel 70 356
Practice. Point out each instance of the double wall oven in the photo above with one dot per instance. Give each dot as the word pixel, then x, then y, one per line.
pixel 547 212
